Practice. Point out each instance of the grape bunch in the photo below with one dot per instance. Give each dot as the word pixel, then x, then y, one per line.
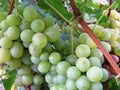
pixel 40 51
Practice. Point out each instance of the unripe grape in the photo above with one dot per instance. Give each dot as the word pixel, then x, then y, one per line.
pixel 13 19
pixel 52 33
pixel 27 79
pixel 4 55
pixel 82 50
pixel 49 21
pixel 83 64
pixel 38 25
pixel 30 13
pixel 39 40
pixel 95 74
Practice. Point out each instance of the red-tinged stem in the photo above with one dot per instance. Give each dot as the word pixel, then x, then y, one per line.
pixel 11 7
pixel 28 87
pixel 110 2
pixel 98 43
pixel 9 2
pixel 75 10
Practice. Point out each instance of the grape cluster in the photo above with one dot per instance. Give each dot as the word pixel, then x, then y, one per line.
pixel 39 50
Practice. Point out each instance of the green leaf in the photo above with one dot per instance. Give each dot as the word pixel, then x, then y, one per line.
pixel 10 80
pixel 113 84
pixel 3 5
pixel 118 2
pixel 55 7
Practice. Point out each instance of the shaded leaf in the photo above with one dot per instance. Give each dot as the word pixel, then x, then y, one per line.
pixel 56 8
pixel 10 80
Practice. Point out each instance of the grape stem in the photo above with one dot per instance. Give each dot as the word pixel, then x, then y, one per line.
pixel 11 7
pixel 9 1
pixel 110 2
pixel 71 40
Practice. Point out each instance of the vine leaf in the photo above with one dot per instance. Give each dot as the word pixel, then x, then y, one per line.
pixel 118 1
pixel 56 8
pixel 10 80
pixel 113 84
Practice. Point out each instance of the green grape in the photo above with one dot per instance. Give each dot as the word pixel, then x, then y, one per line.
pixel 2 16
pixel 83 83
pixel 13 19
pixel 67 47
pixel 48 48
pixel 83 64
pixel 34 87
pixel 18 81
pixel 14 63
pixel 71 84
pixel 49 78
pixel 13 32
pixel 98 30
pixel 16 50
pixel 73 73
pixel 26 35
pixel 25 70
pixel 82 50
pixel 24 25
pixel 30 13
pixel 1 34
pixel 96 86
pixel 118 39
pixel 114 14
pixel 75 42
pixel 52 33
pixel 105 75
pixel 54 58
pixel 34 68
pixel 26 58
pixel 94 74
pixel 4 55
pixel 106 35
pixel 59 44
pixel 94 61
pixel 61 79
pixel 38 25
pixel 26 44
pixel 21 8
pixel 44 67
pixel 83 37
pixel 4 25
pixel 97 53
pixel 62 87
pixel 62 67
pixel 39 40
pixel 44 56
pixel 5 42
pixel 114 35
pixel 27 79
pixel 53 70
pixel 71 59
pixel 114 44
pixel 49 21
pixel 39 16
pixel 106 46
pixel 53 87
pixel 113 23
pixel 34 51
pixel 38 79
pixel 91 43
pixel 35 60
